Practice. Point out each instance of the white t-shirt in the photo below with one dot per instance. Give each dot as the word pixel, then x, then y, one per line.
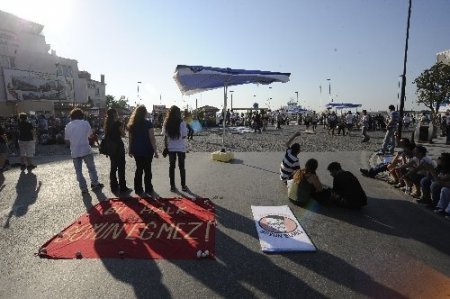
pixel 178 144
pixel 77 132
pixel 349 119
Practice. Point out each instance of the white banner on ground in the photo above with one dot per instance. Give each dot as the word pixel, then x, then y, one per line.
pixel 279 230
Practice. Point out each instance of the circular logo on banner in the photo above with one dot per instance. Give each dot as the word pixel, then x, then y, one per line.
pixel 277 224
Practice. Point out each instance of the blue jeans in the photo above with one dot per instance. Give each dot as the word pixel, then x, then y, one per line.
pixel 78 164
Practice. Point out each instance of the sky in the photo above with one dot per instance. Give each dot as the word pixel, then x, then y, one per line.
pixel 357 44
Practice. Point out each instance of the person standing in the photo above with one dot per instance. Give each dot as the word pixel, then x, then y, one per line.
pixel 188 122
pixel 77 133
pixel 116 150
pixel 3 149
pixel 26 142
pixel 142 146
pixel 349 122
pixel 447 127
pixel 175 132
pixel 391 126
pixel 365 126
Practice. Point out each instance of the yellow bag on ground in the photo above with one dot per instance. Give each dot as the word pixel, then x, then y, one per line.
pixel 292 189
pixel 222 156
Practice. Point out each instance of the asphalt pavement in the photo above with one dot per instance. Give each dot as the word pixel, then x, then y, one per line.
pixel 392 248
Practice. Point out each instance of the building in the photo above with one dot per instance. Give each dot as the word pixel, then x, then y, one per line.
pixel 443 57
pixel 34 78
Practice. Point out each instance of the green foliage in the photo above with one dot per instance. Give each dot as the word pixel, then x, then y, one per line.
pixel 111 102
pixel 433 87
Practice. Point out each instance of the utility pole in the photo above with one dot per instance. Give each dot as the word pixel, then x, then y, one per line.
pixel 402 92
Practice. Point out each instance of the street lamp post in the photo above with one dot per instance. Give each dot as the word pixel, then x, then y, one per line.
pixel 139 99
pixel 329 89
pixel 402 91
pixel 296 93
pixel 231 101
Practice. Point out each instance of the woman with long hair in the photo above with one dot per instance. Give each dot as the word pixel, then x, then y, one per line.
pixel 308 185
pixel 142 146
pixel 113 134
pixel 175 133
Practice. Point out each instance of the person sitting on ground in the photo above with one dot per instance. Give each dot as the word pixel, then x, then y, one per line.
pixel 432 184
pixel 418 171
pixel 398 159
pixel 443 205
pixel 306 186
pixel 347 191
pixel 290 161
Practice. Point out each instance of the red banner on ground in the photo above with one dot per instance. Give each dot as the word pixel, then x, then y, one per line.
pixel 140 229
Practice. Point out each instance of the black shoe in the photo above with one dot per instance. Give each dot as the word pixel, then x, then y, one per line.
pixel 31 167
pixel 184 188
pixel 125 190
pixel 364 172
pixel 173 189
pixel 97 186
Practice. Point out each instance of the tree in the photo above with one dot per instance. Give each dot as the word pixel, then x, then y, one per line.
pixel 111 102
pixel 433 87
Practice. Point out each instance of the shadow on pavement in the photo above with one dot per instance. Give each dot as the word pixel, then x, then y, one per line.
pixel 399 218
pixel 323 263
pixel 27 189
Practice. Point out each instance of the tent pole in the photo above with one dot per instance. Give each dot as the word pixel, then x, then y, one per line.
pixel 224 111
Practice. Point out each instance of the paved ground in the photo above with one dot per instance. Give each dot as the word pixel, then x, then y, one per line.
pixel 394 248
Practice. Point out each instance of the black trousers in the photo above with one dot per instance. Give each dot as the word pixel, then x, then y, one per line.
pixel 117 170
pixel 172 161
pixel 143 166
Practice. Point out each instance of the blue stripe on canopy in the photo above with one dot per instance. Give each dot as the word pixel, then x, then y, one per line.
pixel 193 79
pixel 343 105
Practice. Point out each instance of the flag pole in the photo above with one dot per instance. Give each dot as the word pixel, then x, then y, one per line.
pixel 225 87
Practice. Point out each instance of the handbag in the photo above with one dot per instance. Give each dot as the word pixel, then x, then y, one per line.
pixel 165 152
pixel 103 148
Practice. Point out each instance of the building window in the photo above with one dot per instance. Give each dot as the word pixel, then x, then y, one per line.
pixel 97 91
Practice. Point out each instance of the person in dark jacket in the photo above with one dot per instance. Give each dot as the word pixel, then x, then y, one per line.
pixel 347 191
pixel 26 142
pixel 116 150
pixel 142 146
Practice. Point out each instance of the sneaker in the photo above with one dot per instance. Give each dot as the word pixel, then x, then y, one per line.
pixel 439 211
pixel 408 190
pixel 173 189
pixel 184 188
pixel 144 195
pixel 364 172
pixel 125 190
pixel 380 153
pixel 97 186
pixel 31 167
pixel 399 185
